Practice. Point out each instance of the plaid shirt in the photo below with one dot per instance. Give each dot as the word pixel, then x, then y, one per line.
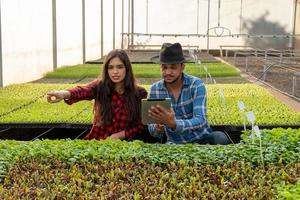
pixel 190 111
pixel 119 117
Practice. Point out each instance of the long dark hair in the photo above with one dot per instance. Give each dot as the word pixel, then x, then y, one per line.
pixel 107 87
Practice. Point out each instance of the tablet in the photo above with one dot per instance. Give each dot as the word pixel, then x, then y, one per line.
pixel 147 103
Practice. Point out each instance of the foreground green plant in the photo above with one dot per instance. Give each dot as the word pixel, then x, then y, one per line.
pixel 74 151
pixel 289 191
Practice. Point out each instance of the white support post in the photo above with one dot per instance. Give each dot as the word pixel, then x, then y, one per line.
pixel 294 85
pixel 54 35
pixel 296 74
pixel 246 62
pixel 83 33
pixel 264 72
pixel 226 54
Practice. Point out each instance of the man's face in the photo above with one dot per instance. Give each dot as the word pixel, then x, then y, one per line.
pixel 171 72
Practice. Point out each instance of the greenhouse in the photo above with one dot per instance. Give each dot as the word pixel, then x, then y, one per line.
pixel 150 99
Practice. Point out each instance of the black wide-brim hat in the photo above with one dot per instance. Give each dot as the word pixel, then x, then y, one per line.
pixel 170 54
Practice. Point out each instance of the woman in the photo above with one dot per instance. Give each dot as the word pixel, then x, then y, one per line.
pixel 117 99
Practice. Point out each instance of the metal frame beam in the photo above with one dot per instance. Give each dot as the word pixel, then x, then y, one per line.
pixel 101 26
pixel 54 35
pixel 83 33
pixel 1 64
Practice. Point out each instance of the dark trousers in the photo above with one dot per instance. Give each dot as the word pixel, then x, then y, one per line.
pixel 216 137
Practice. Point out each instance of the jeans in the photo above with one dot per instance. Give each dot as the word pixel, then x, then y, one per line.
pixel 215 137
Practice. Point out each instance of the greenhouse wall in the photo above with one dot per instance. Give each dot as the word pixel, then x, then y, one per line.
pixel 27 29
pixel 26 40
pixel 27 37
pixel 238 16
pixel 69 32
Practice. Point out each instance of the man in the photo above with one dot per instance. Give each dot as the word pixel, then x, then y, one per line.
pixel 186 122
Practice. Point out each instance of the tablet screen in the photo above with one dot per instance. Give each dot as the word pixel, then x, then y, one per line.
pixel 147 103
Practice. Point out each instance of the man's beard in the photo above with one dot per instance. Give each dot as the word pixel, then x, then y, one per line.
pixel 172 82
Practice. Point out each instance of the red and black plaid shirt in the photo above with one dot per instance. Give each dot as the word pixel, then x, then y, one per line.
pixel 119 117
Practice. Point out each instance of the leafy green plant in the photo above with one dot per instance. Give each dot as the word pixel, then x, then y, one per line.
pixel 277 151
pixel 268 109
pixel 288 191
pixel 41 111
pixel 54 179
pixel 113 169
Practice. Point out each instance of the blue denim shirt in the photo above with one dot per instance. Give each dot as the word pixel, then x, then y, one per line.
pixel 190 111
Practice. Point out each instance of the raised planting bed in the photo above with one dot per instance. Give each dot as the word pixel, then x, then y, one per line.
pixel 26 103
pixel 143 71
pixel 58 169
pixel 33 131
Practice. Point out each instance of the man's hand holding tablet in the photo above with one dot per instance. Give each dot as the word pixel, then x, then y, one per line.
pixel 158 111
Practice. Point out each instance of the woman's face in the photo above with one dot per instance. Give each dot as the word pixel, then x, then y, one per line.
pixel 116 70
